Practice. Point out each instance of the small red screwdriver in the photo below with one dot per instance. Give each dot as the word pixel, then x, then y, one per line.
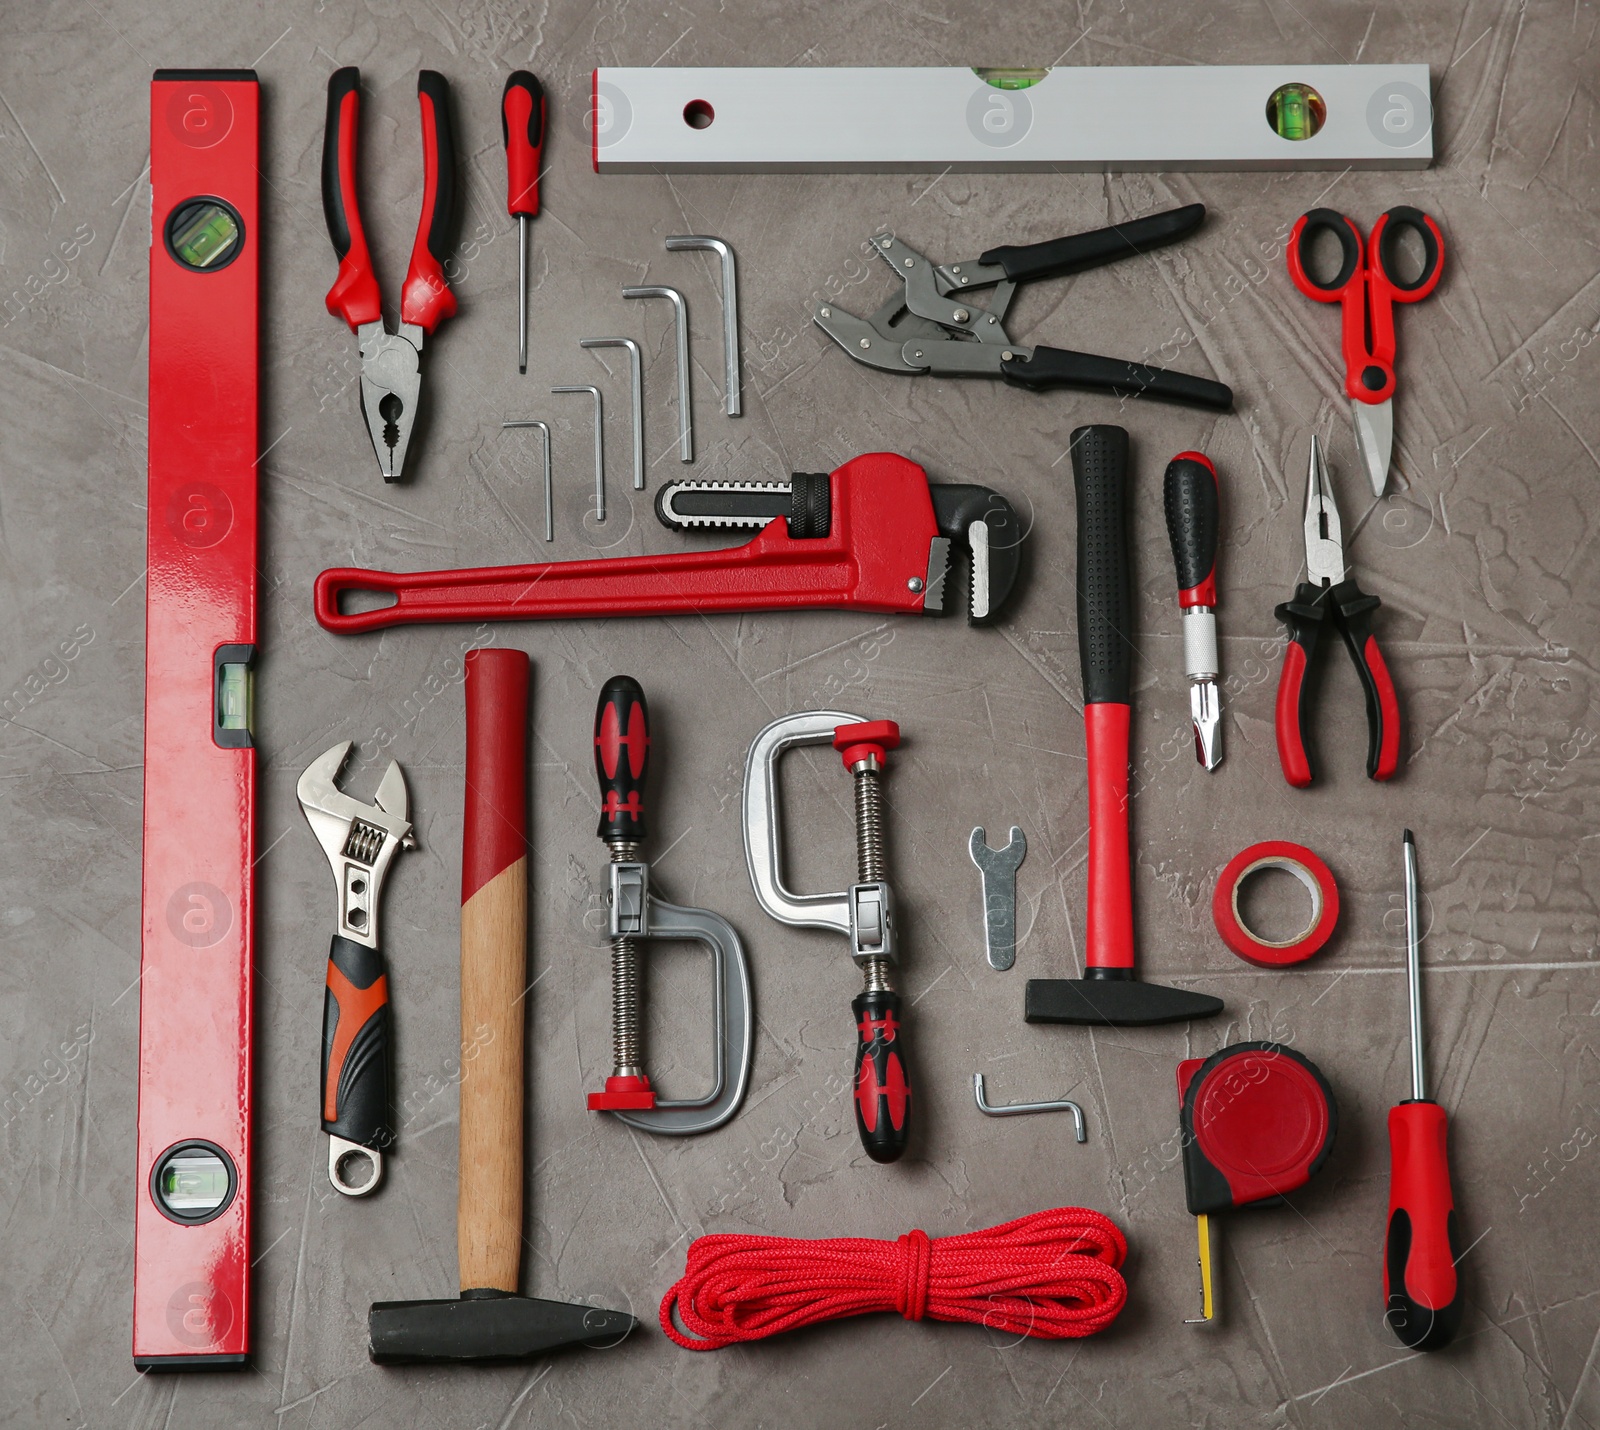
pixel 1422 1292
pixel 522 124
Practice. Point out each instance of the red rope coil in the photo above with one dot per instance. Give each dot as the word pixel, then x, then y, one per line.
pixel 1053 1275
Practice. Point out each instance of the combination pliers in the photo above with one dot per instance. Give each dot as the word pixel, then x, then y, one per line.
pixel 391 363
pixel 933 325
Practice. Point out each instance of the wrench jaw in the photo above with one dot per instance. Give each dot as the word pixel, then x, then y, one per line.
pixel 359 840
pixel 985 526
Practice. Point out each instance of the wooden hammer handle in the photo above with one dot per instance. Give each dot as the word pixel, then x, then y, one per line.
pixel 494 964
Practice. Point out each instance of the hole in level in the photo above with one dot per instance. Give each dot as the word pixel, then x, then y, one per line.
pixel 698 114
pixel 1296 111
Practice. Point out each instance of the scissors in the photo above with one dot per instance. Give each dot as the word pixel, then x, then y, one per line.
pixel 1367 286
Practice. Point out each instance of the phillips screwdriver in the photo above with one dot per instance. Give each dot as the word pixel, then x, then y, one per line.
pixel 1190 497
pixel 522 125
pixel 1422 1292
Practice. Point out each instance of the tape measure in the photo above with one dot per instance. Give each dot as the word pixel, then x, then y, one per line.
pixel 1257 1122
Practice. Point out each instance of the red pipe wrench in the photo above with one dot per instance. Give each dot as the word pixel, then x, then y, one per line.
pixel 874 535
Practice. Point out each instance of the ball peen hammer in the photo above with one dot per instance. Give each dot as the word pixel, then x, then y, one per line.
pixel 490 1321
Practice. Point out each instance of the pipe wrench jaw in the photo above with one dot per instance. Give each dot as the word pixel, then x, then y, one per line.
pixel 360 840
pixel 984 524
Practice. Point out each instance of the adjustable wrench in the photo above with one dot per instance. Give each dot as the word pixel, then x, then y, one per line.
pixel 360 841
pixel 999 869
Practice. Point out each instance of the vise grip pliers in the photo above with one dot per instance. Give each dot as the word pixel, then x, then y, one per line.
pixel 932 324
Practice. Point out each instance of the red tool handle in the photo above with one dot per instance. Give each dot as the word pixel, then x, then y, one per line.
pixel 883 1086
pixel 1306 617
pixel 354 295
pixel 1367 286
pixel 355 1045
pixel 495 829
pixel 426 299
pixel 1194 516
pixel 1105 651
pixel 1422 1292
pixel 622 758
pixel 522 127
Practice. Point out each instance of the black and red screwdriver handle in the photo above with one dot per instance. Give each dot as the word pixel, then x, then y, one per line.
pixel 522 114
pixel 1422 1291
pixel 1105 652
pixel 1307 616
pixel 1189 494
pixel 622 758
pixel 1367 286
pixel 426 299
pixel 355 1045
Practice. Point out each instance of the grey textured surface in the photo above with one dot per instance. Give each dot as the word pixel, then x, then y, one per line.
pixel 1484 558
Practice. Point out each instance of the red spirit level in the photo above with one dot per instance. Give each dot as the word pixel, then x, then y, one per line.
pixel 191 1282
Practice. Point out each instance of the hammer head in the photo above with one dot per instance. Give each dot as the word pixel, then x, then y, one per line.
pixel 1113 1002
pixel 486 1326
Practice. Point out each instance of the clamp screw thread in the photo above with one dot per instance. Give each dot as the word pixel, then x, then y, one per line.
pixel 869 822
pixel 627 1026
pixel 870 862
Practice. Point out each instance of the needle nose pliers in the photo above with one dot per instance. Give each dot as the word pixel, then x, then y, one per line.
pixel 1329 594
pixel 391 376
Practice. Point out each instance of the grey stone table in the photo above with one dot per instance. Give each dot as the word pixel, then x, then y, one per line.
pixel 1484 556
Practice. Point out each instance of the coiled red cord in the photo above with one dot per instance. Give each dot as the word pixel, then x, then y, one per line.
pixel 1053 1274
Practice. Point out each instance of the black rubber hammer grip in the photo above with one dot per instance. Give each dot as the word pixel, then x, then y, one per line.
pixel 1105 604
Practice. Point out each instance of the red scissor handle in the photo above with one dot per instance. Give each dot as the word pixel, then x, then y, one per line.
pixel 1367 286
pixel 426 299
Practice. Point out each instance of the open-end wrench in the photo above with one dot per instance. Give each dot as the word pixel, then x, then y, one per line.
pixel 999 869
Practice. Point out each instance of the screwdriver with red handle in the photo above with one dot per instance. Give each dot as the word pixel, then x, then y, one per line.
pixel 522 125
pixel 1421 1287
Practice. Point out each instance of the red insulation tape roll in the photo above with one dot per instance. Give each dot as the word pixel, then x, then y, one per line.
pixel 1294 859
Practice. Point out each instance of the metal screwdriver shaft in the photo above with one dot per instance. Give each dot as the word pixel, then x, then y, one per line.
pixel 1419 1069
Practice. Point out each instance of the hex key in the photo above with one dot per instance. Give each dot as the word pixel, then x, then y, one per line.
pixel 599 445
pixel 681 324
pixel 730 308
pixel 549 489
pixel 638 398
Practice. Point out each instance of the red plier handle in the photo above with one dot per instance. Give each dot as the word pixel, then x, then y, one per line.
pixel 426 299
pixel 1367 286
pixel 1307 616
pixel 354 295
